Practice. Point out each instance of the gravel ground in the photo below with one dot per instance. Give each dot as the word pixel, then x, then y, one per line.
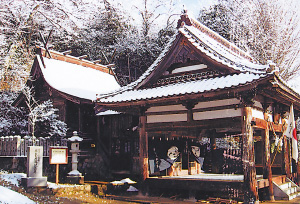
pixel 42 196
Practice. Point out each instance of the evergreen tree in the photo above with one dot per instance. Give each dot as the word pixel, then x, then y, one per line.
pixel 216 18
pixel 48 124
pixel 42 116
pixel 13 120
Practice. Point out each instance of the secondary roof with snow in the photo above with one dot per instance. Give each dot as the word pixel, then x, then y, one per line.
pixel 75 77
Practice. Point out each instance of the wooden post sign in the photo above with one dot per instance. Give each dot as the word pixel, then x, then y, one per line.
pixel 58 155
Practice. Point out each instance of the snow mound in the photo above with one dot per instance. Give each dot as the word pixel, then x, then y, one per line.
pixel 128 180
pixel 55 186
pixel 14 178
pixel 74 173
pixel 75 139
pixel 132 189
pixel 11 197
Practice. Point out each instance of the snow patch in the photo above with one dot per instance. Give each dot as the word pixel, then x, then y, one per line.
pixel 74 173
pixel 55 186
pixel 11 197
pixel 132 189
pixel 75 139
pixel 14 178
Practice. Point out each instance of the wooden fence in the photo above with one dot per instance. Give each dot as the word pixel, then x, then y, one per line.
pixel 17 146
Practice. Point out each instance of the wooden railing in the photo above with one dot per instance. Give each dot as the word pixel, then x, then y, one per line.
pixel 17 146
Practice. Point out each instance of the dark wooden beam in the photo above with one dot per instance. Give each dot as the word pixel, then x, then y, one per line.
pixel 67 52
pixel 143 146
pixel 267 171
pixel 213 148
pixel 250 182
pixel 82 57
pixel 80 118
pixel 286 158
pixel 263 124
pixel 202 124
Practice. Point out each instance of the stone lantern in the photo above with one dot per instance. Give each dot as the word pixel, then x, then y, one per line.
pixel 74 176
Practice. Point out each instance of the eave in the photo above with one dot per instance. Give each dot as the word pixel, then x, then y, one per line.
pixel 203 96
pixel 279 91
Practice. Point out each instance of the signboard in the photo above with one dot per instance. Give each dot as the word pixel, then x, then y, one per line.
pixel 58 155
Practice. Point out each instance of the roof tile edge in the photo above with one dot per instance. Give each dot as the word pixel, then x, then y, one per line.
pixel 185 19
pixel 74 60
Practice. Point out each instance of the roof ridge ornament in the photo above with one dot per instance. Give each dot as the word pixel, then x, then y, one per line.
pixel 45 42
pixel 272 67
pixel 184 19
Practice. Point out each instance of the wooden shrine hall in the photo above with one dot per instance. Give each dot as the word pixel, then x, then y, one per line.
pixel 206 111
pixel 71 83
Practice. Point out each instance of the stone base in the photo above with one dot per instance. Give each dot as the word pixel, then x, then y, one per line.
pixel 75 179
pixel 34 182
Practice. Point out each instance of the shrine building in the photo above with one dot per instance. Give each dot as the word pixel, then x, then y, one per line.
pixel 207 116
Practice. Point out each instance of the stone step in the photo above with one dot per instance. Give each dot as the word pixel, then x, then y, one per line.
pixel 290 190
pixel 285 190
pixel 293 195
pixel 286 185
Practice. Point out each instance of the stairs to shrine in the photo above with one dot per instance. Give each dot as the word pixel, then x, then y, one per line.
pixel 285 189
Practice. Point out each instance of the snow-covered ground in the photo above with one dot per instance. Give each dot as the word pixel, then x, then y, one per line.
pixel 12 197
pixel 9 196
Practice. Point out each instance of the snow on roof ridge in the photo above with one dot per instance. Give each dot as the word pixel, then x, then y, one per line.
pixel 205 46
pixel 220 39
pixel 191 87
pixel 75 60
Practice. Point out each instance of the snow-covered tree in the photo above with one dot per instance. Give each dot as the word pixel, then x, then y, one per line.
pixel 100 29
pixel 48 124
pixel 13 120
pixel 216 18
pixel 42 118
pixel 268 30
pixel 21 23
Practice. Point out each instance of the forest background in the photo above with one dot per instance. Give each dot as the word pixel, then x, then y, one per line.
pixel 130 36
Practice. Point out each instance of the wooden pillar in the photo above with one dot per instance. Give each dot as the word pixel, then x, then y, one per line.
pixel 189 106
pixel 213 146
pixel 286 157
pixel 250 182
pixel 79 118
pixel 298 173
pixel 143 146
pixel 267 171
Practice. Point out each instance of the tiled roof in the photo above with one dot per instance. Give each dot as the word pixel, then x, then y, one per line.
pixel 231 57
pixel 76 80
pixel 200 86
pixel 219 52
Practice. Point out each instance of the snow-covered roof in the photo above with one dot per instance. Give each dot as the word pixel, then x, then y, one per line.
pixel 206 41
pixel 108 112
pixel 199 86
pixel 219 52
pixel 76 80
